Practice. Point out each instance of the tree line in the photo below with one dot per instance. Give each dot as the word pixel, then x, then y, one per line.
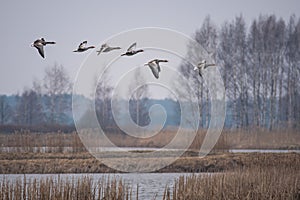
pixel 47 102
pixel 260 67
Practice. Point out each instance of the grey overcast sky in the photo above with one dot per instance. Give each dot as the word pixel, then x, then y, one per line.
pixel 70 22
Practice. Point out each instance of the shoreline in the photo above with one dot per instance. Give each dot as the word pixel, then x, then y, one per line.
pixel 52 163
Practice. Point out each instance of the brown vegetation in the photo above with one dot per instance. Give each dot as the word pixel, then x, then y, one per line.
pixel 258 138
pixel 58 142
pixel 85 163
pixel 247 176
pixel 49 188
pixel 261 180
pixel 253 183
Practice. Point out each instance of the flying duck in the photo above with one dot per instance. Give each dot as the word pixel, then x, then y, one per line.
pixel 82 47
pixel 154 66
pixel 202 65
pixel 39 44
pixel 131 50
pixel 106 48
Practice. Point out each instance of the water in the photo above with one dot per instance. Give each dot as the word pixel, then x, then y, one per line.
pixel 263 151
pixel 112 149
pixel 151 185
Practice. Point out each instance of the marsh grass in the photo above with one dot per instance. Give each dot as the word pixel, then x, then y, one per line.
pixel 256 182
pixel 259 138
pixel 58 142
pixel 260 176
pixel 54 142
pixel 69 189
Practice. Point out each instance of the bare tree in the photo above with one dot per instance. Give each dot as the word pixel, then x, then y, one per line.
pixel 293 70
pixel 240 70
pixel 57 85
pixel 254 42
pixel 103 102
pixel 227 55
pixel 206 36
pixel 138 101
pixel 29 111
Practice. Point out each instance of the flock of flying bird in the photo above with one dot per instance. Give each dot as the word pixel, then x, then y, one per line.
pixel 153 64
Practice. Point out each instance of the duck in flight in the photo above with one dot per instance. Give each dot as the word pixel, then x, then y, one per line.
pixel 131 50
pixel 106 48
pixel 203 65
pixel 154 66
pixel 39 44
pixel 82 47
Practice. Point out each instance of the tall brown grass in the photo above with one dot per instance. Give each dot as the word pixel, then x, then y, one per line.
pixel 222 144
pixel 26 141
pixel 255 182
pixel 251 183
pixel 58 142
pixel 85 188
pixel 259 138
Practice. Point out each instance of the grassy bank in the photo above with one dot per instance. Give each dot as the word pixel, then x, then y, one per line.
pixel 85 163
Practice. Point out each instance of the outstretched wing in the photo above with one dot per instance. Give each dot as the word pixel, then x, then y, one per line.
pixel 158 67
pixel 108 48
pixel 200 73
pixel 155 70
pixel 41 50
pixel 82 44
pixel 132 47
pixel 101 48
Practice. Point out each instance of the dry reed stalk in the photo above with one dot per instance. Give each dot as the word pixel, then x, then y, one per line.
pixel 255 182
pixel 50 188
pixel 25 141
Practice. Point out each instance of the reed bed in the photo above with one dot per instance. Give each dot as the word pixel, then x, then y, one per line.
pixel 31 142
pixel 58 142
pixel 259 138
pixel 245 183
pixel 251 183
pixel 56 189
